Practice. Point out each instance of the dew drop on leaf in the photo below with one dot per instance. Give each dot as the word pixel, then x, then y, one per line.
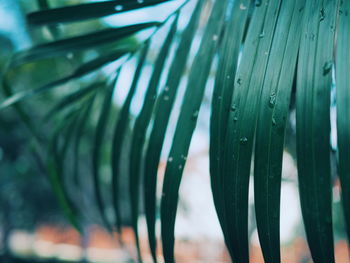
pixel 119 7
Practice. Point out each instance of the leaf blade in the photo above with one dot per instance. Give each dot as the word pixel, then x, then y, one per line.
pixel 87 11
pixel 343 98
pixel 271 127
pixel 117 144
pixel 186 124
pixel 140 128
pixel 313 127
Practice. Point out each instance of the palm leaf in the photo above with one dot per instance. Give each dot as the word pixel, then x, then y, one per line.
pixel 221 103
pixel 96 152
pixel 85 68
pixel 162 113
pixel 186 125
pixel 117 146
pixel 87 11
pixel 343 101
pixel 313 126
pixel 273 113
pixel 257 43
pixel 140 128
pixel 87 41
pixel 242 124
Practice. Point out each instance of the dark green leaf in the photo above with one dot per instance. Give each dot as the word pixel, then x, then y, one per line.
pixel 87 11
pixel 82 123
pixel 96 153
pixel 186 124
pixel 313 126
pixel 87 41
pixel 343 102
pixel 117 146
pixel 72 98
pixel 273 113
pixel 242 123
pixel 140 128
pixel 162 113
pixel 221 102
pixel 82 70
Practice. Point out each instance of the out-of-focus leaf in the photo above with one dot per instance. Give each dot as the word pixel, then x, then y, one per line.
pixel 221 102
pixel 186 124
pixel 72 98
pixel 87 11
pixel 242 123
pixel 343 108
pixel 78 43
pixel 162 113
pixel 96 152
pixel 117 146
pixel 314 80
pixel 139 133
pixel 82 124
pixel 273 113
pixel 82 70
pixel 54 170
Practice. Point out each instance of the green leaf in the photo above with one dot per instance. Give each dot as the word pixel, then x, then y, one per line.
pixel 221 102
pixel 72 98
pixel 242 123
pixel 313 126
pixel 78 43
pixel 96 152
pixel 272 116
pixel 87 11
pixel 117 146
pixel 162 113
pixel 82 123
pixel 343 102
pixel 186 124
pixel 55 168
pixel 82 70
pixel 140 129
pixel 62 195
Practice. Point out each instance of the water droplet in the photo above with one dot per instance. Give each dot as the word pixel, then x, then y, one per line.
pixel 235 119
pixel 166 89
pixel 183 157
pixel 327 67
pixel 322 14
pixel 233 108
pixel 215 37
pixel 262 34
pixel 140 1
pixel 166 97
pixel 244 140
pixel 228 76
pixel 170 159
pixel 258 2
pixel 273 122
pixel 70 55
pixel 242 7
pixel 195 114
pixel 119 7
pixel 180 167
pixel 266 53
pixel 272 100
pixel 239 81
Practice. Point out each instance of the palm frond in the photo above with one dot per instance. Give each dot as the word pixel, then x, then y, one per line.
pixel 343 98
pixel 313 126
pixel 262 48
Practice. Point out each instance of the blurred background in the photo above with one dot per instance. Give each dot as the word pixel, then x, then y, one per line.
pixel 32 225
